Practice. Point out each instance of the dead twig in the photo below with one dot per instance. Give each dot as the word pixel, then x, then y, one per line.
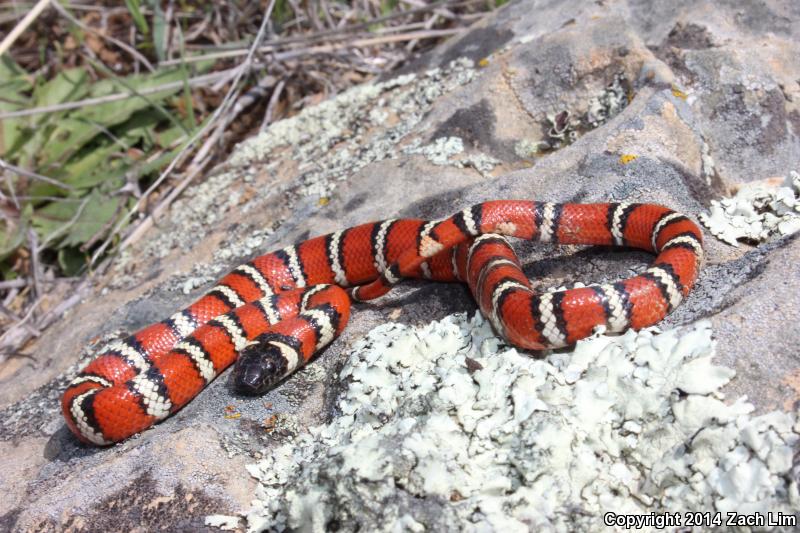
pixel 16 336
pixel 26 21
pixel 159 210
pixel 10 338
pixel 12 191
pixel 33 175
pixel 328 48
pixel 36 266
pixel 132 51
pixel 13 284
pixel 273 102
pixel 243 102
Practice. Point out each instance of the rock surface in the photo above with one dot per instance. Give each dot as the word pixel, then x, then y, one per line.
pixel 668 102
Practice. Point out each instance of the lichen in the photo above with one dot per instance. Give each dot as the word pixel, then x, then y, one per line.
pixel 525 148
pixel 445 426
pixel 708 164
pixel 759 211
pixel 439 151
pixel 443 151
pixel 564 128
pixel 224 522
pixel 334 139
pixel 609 103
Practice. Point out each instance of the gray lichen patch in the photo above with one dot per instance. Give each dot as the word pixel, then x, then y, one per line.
pixel 445 427
pixel 336 138
pixel 140 506
pixel 758 212
pixel 609 103
pixel 445 151
pixel 564 127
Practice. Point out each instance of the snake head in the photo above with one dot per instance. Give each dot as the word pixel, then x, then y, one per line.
pixel 263 363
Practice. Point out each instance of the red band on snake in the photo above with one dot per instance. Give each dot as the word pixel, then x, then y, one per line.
pixel 280 309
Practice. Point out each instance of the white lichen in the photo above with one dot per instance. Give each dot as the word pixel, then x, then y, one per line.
pixel 445 426
pixel 758 212
pixel 608 104
pixel 446 151
pixel 439 151
pixel 224 522
pixel 707 162
pixel 525 148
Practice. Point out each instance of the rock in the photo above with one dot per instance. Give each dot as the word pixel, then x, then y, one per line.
pixel 639 101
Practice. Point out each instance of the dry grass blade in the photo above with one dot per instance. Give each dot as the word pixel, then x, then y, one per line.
pixel 132 51
pixel 273 101
pixel 23 25
pixel 324 49
pixel 13 284
pixel 33 175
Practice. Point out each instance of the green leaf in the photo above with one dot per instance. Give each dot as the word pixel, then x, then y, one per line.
pixel 12 234
pixel 68 225
pixel 66 86
pixel 14 85
pixel 387 6
pixel 9 70
pixel 138 18
pixel 119 111
pixel 168 136
pixel 159 29
pixel 72 261
pixel 64 140
pixel 83 125
pixel 91 169
pixel 140 127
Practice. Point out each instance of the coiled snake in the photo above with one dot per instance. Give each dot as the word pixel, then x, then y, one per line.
pixel 280 309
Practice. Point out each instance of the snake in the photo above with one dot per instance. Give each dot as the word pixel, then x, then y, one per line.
pixel 274 313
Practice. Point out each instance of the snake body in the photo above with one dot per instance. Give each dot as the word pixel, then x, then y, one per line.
pixel 280 309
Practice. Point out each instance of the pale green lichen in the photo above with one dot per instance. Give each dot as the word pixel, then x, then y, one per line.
pixel 708 164
pixel 443 152
pixel 526 148
pixel 756 213
pixel 607 104
pixel 439 151
pixel 564 127
pixel 445 426
pixel 223 522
